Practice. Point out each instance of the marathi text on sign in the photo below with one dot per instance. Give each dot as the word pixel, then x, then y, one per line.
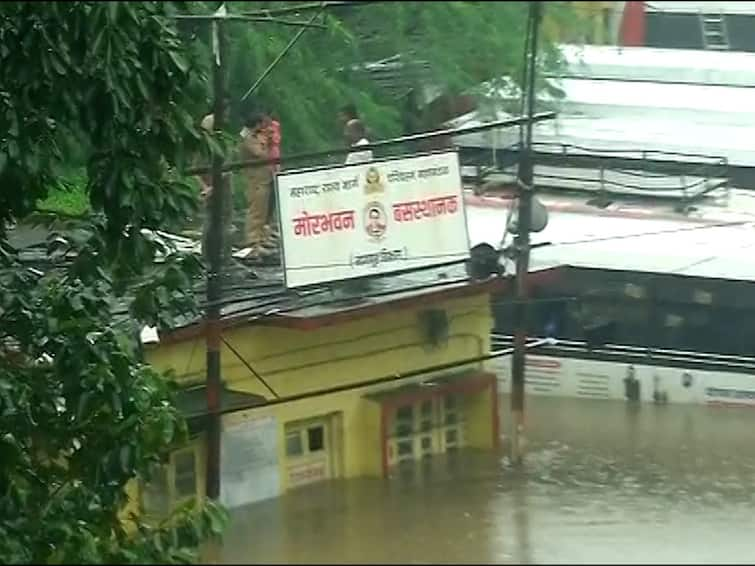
pixel 418 209
pixel 376 258
pixel 314 224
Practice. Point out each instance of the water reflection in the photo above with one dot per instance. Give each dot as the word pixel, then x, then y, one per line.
pixel 603 482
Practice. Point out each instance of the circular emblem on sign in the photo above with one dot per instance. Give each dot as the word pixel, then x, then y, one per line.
pixel 375 220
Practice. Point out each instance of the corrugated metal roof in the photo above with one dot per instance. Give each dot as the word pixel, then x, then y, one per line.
pixel 326 299
pixel 254 292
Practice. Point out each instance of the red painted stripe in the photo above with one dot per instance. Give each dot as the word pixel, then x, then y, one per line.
pixel 632 32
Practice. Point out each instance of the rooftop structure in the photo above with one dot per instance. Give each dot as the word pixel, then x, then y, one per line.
pixel 658 65
pixel 712 243
pixel 639 110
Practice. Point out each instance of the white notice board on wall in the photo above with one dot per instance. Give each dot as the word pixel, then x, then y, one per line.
pixel 371 218
pixel 249 462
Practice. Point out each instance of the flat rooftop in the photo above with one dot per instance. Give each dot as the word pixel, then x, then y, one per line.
pixel 679 104
pixel 734 8
pixel 713 242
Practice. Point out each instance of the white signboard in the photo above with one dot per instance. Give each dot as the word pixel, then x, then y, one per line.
pixel 371 218
pixel 249 462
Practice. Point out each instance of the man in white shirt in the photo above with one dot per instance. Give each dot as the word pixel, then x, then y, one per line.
pixel 356 135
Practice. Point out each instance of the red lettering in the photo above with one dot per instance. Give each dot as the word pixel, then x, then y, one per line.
pixel 308 225
pixel 430 208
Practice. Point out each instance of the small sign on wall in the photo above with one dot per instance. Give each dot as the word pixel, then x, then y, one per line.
pixel 249 462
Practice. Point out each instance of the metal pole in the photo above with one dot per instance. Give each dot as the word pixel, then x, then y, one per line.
pixel 524 222
pixel 216 234
pixel 214 277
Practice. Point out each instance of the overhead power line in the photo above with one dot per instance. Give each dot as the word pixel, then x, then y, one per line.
pixel 393 378
pixel 297 9
pixel 450 132
pixel 283 53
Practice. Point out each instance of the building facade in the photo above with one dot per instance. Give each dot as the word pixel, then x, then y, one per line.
pixel 646 304
pixel 717 26
pixel 337 391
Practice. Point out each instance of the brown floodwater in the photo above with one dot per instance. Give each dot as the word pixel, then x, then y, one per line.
pixel 603 482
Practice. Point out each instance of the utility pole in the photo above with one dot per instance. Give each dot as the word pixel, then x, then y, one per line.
pixel 215 236
pixel 524 222
pixel 215 247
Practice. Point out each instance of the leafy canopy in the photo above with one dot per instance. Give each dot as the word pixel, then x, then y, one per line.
pixel 117 88
pixel 80 415
pixel 458 44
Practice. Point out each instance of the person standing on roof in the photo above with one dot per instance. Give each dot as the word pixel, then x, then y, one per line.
pixel 356 135
pixel 255 145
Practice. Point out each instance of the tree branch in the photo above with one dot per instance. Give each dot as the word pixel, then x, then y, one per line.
pixel 289 23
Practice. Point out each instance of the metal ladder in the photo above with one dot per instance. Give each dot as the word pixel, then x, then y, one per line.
pixel 715 35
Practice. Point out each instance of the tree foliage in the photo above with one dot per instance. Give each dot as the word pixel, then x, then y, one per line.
pixel 460 46
pixel 80 415
pixel 116 88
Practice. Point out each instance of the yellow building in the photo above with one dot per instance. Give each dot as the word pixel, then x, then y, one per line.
pixel 341 387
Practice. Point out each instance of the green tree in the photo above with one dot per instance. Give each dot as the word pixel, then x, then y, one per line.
pixel 458 44
pixel 80 415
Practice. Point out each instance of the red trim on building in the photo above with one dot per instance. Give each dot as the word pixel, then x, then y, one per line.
pixel 632 33
pixel 291 320
pixel 472 382
pixel 492 286
pixel 347 314
pixel 300 322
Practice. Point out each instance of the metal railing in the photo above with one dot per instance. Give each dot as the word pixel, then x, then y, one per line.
pixel 708 173
pixel 628 354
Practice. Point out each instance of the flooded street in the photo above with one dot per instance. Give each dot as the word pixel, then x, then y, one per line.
pixel 603 482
